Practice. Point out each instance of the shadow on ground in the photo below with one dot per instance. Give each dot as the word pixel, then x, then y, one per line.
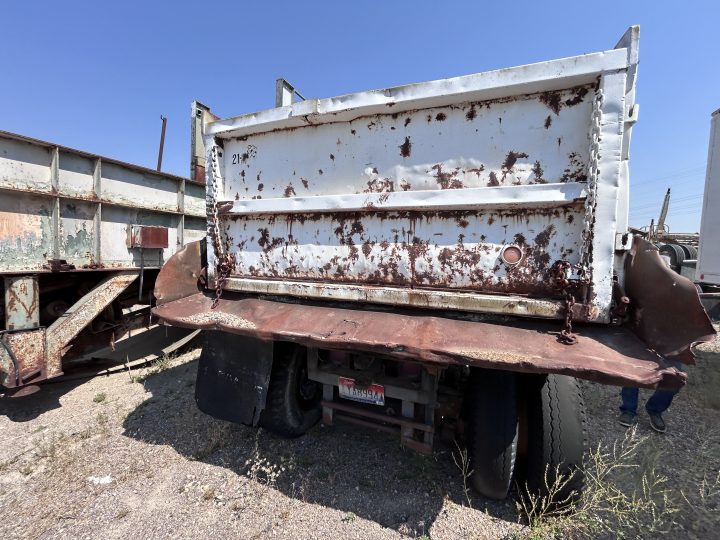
pixel 355 470
pixel 47 398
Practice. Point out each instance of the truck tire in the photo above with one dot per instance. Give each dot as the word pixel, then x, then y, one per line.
pixel 690 251
pixel 675 253
pixel 293 401
pixel 556 437
pixel 492 431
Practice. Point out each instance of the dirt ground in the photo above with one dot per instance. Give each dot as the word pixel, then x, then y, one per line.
pixel 130 455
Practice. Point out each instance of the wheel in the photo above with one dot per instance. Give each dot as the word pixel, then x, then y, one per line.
pixel 292 405
pixel 52 311
pixel 689 251
pixel 675 253
pixel 492 431
pixel 556 437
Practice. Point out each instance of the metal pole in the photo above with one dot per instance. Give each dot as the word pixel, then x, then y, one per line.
pixel 162 141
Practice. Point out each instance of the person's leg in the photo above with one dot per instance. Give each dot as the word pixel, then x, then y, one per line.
pixel 628 407
pixel 660 401
pixel 629 400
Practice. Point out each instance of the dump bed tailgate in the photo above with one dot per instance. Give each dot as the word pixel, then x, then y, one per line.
pixel 454 194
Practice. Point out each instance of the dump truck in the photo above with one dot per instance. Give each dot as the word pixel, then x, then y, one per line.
pixel 82 238
pixel 442 259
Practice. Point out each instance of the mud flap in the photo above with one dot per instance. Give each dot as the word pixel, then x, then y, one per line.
pixel 233 377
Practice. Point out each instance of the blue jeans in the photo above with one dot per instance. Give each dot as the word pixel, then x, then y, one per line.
pixel 658 403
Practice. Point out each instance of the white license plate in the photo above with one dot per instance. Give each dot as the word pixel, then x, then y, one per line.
pixel 373 393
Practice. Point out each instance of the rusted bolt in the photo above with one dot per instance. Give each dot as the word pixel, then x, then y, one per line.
pixel 511 255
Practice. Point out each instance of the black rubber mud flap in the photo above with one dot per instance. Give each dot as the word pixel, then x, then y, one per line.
pixel 233 377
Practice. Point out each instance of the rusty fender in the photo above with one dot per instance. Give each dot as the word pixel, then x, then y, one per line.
pixel 666 311
pixel 606 354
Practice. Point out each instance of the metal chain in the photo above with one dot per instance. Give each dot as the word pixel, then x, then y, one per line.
pixel 562 270
pixel 584 267
pixel 224 263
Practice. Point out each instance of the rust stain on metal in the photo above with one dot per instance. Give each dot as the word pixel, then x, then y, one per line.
pixel 656 292
pixel 576 170
pixel 400 256
pixel 537 171
pixel 182 275
pixel 289 191
pixel 28 348
pixel 510 161
pixel 447 180
pixel 553 101
pixel 406 147
pixel 579 95
pixel 144 236
pixel 611 355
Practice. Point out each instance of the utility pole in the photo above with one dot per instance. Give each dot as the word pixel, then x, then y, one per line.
pixel 162 141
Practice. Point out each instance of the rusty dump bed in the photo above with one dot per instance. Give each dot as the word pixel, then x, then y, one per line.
pixel 458 194
pixel 502 193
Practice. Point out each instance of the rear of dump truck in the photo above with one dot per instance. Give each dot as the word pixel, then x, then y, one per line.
pixel 436 259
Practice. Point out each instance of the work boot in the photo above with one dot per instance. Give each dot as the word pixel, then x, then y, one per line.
pixel 627 419
pixel 657 422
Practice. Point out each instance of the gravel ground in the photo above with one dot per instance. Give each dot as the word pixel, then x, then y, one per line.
pixel 130 455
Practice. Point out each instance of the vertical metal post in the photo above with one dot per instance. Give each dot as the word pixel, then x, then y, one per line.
pixel 283 93
pixel 22 303
pixel 162 141
pixel 55 212
pixel 97 188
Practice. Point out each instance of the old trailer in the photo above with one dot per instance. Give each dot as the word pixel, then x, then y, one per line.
pixel 82 238
pixel 442 257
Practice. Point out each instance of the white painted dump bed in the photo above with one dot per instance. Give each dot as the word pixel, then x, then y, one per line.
pixel 413 195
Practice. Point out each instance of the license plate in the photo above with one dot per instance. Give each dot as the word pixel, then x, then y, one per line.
pixel 374 393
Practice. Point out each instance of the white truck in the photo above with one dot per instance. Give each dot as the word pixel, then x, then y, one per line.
pixel 708 264
pixel 437 258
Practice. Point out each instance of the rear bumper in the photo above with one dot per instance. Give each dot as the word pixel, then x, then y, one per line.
pixel 605 354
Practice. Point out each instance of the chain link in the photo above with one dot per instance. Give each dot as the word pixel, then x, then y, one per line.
pixel 562 270
pixel 560 273
pixel 224 262
pixel 584 267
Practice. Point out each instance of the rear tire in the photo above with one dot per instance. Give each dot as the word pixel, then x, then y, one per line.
pixel 675 253
pixel 492 431
pixel 557 437
pixel 690 251
pixel 292 405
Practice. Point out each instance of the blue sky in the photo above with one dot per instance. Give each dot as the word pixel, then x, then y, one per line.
pixel 97 75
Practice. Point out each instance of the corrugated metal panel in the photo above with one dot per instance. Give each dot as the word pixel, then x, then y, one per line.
pixel 57 203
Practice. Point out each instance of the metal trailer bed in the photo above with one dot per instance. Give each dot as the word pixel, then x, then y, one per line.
pixel 81 240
